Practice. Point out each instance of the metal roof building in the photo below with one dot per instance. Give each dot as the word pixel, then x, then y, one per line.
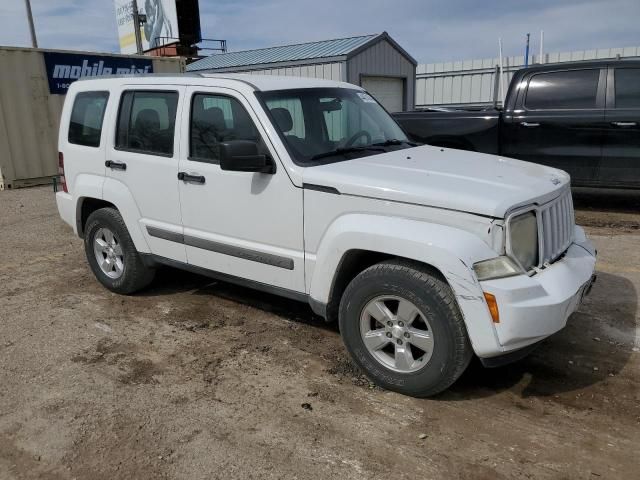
pixel 376 62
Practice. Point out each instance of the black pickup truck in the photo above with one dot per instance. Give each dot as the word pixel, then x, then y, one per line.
pixel 582 117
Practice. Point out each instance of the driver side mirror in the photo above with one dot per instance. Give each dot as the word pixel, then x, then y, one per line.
pixel 243 156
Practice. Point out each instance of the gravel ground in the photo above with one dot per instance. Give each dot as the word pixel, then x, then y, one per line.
pixel 199 379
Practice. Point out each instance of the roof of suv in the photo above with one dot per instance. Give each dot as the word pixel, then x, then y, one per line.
pixel 257 82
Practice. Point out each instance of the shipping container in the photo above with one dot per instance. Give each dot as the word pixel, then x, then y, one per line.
pixel 30 113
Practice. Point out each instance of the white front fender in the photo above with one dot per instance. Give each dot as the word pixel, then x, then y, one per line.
pixel 450 250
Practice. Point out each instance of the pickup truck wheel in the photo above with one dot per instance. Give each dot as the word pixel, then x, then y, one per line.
pixel 402 326
pixel 112 255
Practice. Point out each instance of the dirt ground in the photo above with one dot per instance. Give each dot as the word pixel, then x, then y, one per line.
pixel 195 379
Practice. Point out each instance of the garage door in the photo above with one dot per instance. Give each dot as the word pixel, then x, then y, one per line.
pixel 388 91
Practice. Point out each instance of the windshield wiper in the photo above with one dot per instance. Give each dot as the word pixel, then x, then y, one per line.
pixel 341 151
pixel 394 141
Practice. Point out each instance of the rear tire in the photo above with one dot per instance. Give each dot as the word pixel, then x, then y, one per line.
pixel 111 254
pixel 401 324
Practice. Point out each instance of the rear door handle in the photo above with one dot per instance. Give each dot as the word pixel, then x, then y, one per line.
pixel 624 124
pixel 115 165
pixel 191 178
pixel 530 124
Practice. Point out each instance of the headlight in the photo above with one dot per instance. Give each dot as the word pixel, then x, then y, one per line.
pixel 498 267
pixel 524 239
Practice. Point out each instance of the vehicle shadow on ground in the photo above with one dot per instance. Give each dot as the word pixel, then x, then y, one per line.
pixel 169 281
pixel 563 363
pixel 619 201
pixel 596 344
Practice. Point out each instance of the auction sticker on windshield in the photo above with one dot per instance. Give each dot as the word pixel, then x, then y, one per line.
pixel 365 97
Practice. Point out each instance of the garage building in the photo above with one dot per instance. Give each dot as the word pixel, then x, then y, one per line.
pixel 375 62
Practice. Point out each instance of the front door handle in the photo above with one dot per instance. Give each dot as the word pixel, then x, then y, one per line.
pixel 624 124
pixel 191 177
pixel 115 165
pixel 530 124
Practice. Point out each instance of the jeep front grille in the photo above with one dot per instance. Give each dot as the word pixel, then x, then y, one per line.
pixel 556 225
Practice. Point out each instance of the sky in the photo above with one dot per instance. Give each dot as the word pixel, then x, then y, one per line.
pixel 430 30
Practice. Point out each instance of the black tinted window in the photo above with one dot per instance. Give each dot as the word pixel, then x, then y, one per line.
pixel 627 87
pixel 563 90
pixel 87 114
pixel 146 121
pixel 215 119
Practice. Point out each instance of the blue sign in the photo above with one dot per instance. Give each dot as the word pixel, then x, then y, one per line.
pixel 65 68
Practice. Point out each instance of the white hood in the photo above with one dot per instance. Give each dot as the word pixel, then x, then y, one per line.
pixel 445 178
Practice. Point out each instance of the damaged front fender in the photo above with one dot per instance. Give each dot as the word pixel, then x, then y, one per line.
pixel 450 250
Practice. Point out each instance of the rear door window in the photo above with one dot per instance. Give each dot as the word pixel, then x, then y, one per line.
pixel 574 89
pixel 146 121
pixel 627 83
pixel 85 127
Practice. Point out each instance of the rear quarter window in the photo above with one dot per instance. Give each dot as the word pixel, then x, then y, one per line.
pixel 627 87
pixel 87 114
pixel 573 89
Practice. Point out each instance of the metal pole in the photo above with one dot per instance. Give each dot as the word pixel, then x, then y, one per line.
pixel 541 46
pixel 496 85
pixel 32 29
pixel 501 72
pixel 136 26
pixel 526 52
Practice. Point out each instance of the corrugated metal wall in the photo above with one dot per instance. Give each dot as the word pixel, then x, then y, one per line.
pixel 382 59
pixel 328 71
pixel 471 82
pixel 29 116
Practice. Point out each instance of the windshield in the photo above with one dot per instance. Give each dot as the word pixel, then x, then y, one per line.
pixel 321 125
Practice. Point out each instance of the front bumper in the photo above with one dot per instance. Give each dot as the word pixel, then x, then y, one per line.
pixel 533 308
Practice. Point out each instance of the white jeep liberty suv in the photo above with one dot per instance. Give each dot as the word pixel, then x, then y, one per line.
pixel 309 189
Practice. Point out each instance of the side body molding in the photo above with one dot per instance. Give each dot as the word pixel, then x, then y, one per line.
pixel 450 250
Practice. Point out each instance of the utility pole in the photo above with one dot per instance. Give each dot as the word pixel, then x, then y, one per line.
pixel 526 52
pixel 34 41
pixel 136 26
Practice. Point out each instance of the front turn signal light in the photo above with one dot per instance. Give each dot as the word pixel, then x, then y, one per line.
pixel 493 307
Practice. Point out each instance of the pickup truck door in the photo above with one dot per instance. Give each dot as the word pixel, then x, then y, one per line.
pixel 559 121
pixel 142 162
pixel 621 153
pixel 243 224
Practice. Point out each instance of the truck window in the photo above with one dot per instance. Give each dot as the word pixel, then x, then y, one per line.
pixel 627 82
pixel 216 119
pixel 574 89
pixel 317 125
pixel 343 119
pixel 85 127
pixel 294 107
pixel 146 121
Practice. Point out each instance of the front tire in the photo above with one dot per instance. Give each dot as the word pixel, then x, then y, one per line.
pixel 401 324
pixel 111 254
